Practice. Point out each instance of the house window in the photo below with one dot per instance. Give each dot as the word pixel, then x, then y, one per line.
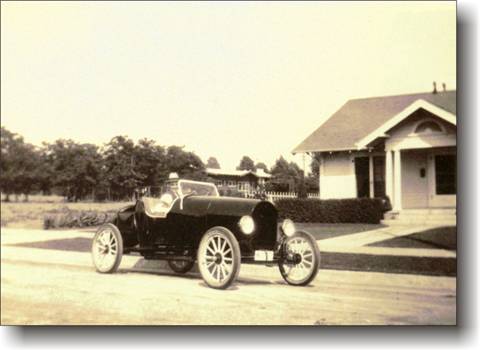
pixel 446 174
pixel 428 127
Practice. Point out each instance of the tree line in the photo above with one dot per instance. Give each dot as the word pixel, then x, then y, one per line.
pixel 115 170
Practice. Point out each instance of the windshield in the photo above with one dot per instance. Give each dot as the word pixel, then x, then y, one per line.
pixel 178 188
pixel 197 188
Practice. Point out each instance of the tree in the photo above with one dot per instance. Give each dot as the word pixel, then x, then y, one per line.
pixel 44 171
pixel 312 183
pixel 119 167
pixel 77 167
pixel 10 143
pixel 261 165
pixel 20 166
pixel 285 176
pixel 186 164
pixel 246 163
pixel 29 170
pixel 315 165
pixel 150 162
pixel 212 163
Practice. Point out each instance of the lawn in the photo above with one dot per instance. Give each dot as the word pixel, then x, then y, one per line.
pixel 324 231
pixel 417 265
pixel 437 238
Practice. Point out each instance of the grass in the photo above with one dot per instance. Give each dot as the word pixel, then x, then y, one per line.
pixel 35 198
pixel 437 238
pixel 31 214
pixel 324 231
pixel 417 265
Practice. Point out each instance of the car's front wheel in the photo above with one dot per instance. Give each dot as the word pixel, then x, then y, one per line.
pixel 219 258
pixel 107 248
pixel 181 266
pixel 300 260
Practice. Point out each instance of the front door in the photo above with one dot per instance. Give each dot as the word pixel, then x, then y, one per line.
pixel 442 179
pixel 362 174
pixel 415 179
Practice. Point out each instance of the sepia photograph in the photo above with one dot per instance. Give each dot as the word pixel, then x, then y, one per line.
pixel 229 163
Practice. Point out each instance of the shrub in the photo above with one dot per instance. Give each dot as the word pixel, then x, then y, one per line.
pixel 355 210
pixel 75 218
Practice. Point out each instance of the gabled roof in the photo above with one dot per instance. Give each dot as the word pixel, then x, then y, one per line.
pixel 258 173
pixel 358 118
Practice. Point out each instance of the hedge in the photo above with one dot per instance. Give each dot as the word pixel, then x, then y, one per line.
pixel 75 218
pixel 355 210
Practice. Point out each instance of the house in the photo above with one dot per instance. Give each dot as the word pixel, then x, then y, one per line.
pixel 240 180
pixel 403 147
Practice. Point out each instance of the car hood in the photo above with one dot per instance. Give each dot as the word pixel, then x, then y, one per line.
pixel 226 206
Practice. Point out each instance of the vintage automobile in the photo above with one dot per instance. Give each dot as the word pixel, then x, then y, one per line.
pixel 189 222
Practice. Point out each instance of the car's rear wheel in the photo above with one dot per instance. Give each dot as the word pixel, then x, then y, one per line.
pixel 301 259
pixel 107 249
pixel 181 266
pixel 219 258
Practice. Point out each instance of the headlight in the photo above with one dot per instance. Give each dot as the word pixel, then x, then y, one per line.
pixel 247 225
pixel 288 227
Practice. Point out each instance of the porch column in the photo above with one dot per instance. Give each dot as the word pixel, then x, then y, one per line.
pixel 397 180
pixel 370 176
pixel 389 175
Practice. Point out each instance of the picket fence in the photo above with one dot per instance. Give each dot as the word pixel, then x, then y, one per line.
pixel 273 196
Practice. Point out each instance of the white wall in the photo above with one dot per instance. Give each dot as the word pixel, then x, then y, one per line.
pixel 337 176
pixel 403 136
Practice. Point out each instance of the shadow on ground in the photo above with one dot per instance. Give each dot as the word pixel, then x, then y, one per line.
pixel 436 238
pixel 329 260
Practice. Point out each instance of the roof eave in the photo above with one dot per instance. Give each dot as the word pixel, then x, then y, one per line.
pixel 406 112
pixel 320 150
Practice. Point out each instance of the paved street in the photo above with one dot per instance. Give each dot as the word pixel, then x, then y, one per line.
pixel 47 286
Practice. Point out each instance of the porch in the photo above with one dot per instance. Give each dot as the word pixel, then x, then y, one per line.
pixel 420 161
pixel 411 178
pixel 426 216
pixel 421 178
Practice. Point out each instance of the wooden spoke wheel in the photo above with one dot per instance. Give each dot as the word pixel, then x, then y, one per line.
pixel 219 258
pixel 107 249
pixel 181 266
pixel 303 261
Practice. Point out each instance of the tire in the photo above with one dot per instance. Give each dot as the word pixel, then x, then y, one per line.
pixel 181 266
pixel 219 258
pixel 107 249
pixel 305 248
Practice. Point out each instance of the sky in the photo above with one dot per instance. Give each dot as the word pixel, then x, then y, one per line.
pixel 222 79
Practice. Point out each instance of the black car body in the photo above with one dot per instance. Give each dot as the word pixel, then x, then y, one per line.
pixel 173 229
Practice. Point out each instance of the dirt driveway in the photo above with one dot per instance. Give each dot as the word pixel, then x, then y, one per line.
pixel 42 286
